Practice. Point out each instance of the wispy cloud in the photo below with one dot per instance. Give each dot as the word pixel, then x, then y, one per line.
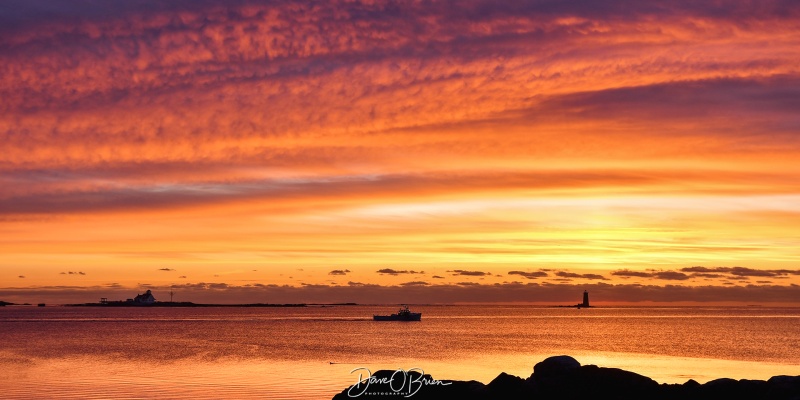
pixel 628 273
pixel 529 275
pixel 743 272
pixel 665 275
pixel 740 273
pixel 565 274
pixel 461 272
pixel 671 275
pixel 390 271
pixel 415 283
pixel 339 272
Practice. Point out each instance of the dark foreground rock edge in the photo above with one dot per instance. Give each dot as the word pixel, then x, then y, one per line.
pixel 563 377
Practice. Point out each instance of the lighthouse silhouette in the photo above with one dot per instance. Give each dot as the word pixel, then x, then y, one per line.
pixel 585 299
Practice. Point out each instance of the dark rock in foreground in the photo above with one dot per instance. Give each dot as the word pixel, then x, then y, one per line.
pixel 564 378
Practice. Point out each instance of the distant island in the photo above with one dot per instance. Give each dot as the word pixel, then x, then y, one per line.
pixel 564 378
pixel 181 304
pixel 147 299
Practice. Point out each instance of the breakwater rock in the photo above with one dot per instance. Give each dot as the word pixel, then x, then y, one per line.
pixel 564 378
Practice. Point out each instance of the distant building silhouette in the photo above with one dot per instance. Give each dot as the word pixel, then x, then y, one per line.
pixel 146 298
pixel 585 299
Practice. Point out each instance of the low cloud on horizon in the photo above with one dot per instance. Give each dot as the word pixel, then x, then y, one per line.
pixel 420 292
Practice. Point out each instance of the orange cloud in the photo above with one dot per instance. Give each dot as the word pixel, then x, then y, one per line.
pixel 621 141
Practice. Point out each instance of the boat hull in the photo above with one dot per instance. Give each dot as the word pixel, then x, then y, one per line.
pixel 395 317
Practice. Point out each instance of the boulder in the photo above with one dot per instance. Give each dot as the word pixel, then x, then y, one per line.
pixel 555 365
pixel 784 387
pixel 730 389
pixel 615 383
pixel 509 387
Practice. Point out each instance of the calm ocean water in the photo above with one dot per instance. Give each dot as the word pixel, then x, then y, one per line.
pixel 309 353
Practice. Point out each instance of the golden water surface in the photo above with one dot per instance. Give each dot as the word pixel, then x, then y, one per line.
pixel 284 353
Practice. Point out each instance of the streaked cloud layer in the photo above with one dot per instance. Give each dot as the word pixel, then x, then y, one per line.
pixel 287 143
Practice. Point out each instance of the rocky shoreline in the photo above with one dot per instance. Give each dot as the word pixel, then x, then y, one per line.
pixel 564 378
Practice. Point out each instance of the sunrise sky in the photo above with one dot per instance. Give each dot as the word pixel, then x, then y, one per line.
pixel 400 151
